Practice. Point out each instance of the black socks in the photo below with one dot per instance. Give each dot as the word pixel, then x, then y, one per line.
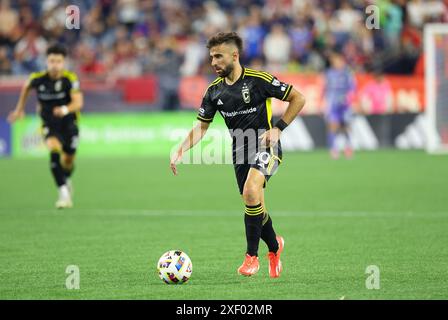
pixel 268 234
pixel 56 168
pixel 253 220
pixel 68 172
pixel 259 225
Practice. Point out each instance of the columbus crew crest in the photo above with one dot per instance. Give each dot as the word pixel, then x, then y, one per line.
pixel 246 94
pixel 58 85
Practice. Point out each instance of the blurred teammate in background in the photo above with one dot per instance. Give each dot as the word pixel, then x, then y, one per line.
pixel 60 101
pixel 339 93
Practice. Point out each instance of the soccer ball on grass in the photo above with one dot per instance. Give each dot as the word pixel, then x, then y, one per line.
pixel 174 267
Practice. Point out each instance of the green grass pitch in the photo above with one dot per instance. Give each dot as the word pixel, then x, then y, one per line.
pixel 386 208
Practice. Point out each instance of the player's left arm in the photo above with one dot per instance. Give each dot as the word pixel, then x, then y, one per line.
pixel 296 103
pixel 76 98
pixel 76 104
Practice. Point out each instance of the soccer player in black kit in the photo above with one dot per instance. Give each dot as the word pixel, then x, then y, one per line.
pixel 59 102
pixel 242 96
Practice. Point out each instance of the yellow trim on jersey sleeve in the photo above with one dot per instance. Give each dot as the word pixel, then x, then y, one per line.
pixel 70 75
pixel 215 82
pixel 270 76
pixel 204 119
pixel 39 74
pixel 288 90
pixel 73 78
pixel 259 75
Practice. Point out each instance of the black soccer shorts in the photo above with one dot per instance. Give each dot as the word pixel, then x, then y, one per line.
pixel 266 161
pixel 67 132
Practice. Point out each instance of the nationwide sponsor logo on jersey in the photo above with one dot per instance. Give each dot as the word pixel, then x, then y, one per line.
pixel 246 94
pixel 236 113
pixel 51 96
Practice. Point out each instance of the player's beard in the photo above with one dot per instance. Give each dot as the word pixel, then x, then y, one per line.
pixel 54 73
pixel 226 71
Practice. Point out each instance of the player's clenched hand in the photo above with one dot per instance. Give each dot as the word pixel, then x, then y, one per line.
pixel 270 137
pixel 15 115
pixel 175 158
pixel 60 111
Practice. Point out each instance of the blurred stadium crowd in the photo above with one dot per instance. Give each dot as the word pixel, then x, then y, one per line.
pixel 125 38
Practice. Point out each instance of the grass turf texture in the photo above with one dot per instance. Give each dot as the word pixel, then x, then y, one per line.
pixel 385 208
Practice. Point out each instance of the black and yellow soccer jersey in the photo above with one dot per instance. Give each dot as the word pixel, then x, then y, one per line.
pixel 244 105
pixel 54 92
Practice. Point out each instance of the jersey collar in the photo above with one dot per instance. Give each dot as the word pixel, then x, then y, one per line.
pixel 242 75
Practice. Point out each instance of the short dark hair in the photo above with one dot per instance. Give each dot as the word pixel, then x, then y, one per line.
pixel 226 37
pixel 56 49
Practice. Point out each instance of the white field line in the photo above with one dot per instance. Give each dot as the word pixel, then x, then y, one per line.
pixel 224 213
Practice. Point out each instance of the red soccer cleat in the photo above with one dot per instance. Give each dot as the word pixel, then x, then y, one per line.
pixel 275 265
pixel 348 152
pixel 250 266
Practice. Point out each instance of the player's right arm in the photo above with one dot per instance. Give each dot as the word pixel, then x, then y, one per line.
pixel 194 136
pixel 18 112
pixel 205 116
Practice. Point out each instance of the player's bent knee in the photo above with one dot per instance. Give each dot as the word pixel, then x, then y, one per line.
pixel 251 194
pixel 54 145
pixel 68 160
